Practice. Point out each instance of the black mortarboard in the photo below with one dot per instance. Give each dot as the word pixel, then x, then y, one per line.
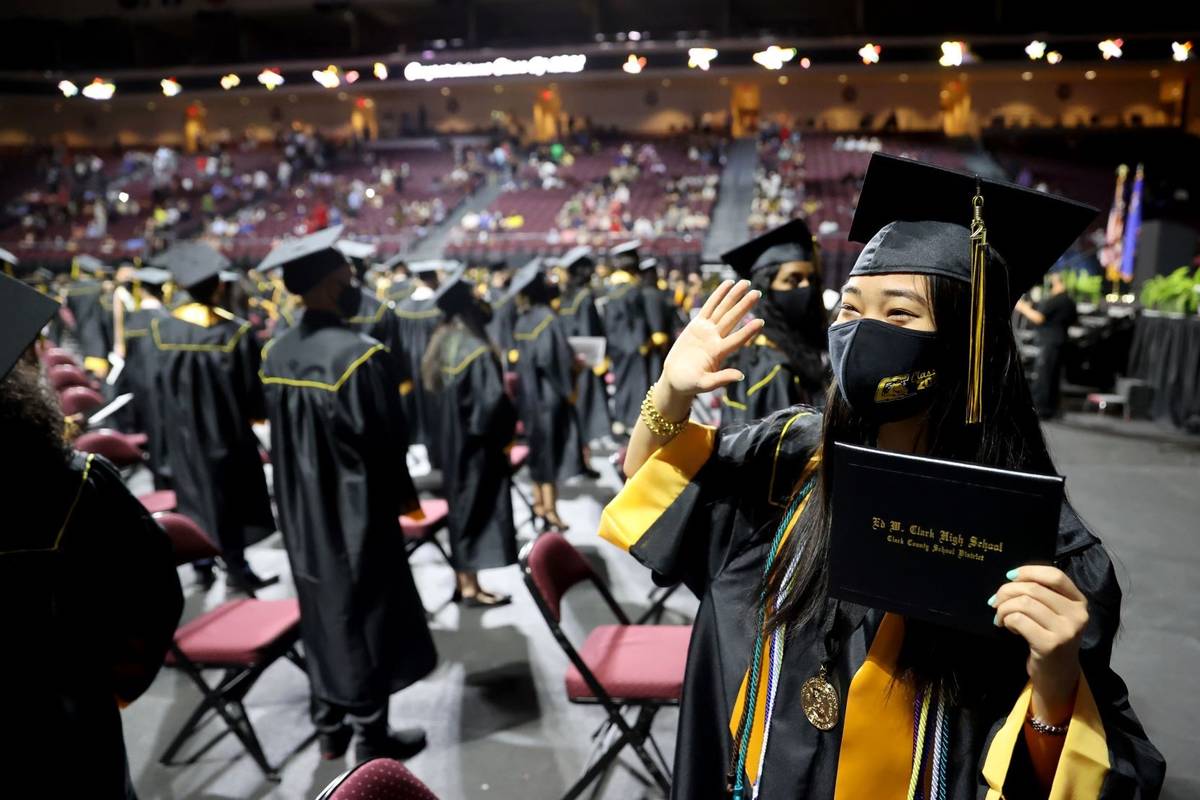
pixel 306 260
pixel 431 265
pixel 915 217
pixel 526 276
pixel 152 276
pixel 918 218
pixel 791 241
pixel 24 311
pixel 625 256
pixel 7 257
pixel 192 263
pixel 89 264
pixel 578 259
pixel 353 249
pixel 455 293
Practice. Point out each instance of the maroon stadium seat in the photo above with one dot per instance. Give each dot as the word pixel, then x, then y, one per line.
pixel 56 356
pixel 418 532
pixel 123 450
pixel 242 638
pixel 61 376
pixel 619 667
pixel 159 501
pixel 377 779
pixel 79 400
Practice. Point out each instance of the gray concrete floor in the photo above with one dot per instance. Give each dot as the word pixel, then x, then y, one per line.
pixel 498 722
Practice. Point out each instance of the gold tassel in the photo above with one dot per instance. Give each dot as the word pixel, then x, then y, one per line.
pixel 75 268
pixel 979 246
pixel 137 294
pixel 168 291
pixel 816 257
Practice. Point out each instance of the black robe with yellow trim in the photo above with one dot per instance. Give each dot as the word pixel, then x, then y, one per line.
pixel 208 382
pixel 545 365
pixel 92 308
pixel 337 444
pixel 628 333
pixel 377 318
pixel 477 424
pixel 770 384
pixel 91 599
pixel 703 510
pixel 504 317
pixel 418 319
pixel 580 318
pixel 663 321
pixel 140 377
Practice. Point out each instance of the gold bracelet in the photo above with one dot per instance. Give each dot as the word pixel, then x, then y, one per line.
pixel 656 423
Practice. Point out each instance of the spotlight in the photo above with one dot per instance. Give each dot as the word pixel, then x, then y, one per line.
pixel 380 70
pixel 1090 74
pixel 1053 57
pixel 68 89
pixel 1180 51
pixel 634 64
pixel 805 62
pixel 271 79
pixel 229 81
pixel 1035 50
pixel 701 57
pixel 328 77
pixel 99 89
pixel 869 53
pixel 952 54
pixel 170 87
pixel 774 57
pixel 1111 48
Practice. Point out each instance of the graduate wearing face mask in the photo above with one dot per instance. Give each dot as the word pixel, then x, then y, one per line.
pixel 784 363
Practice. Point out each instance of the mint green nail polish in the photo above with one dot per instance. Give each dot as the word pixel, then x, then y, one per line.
pixel 996 621
pixel 1012 574
pixel 992 601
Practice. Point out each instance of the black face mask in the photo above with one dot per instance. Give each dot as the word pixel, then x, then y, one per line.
pixel 792 302
pixel 884 372
pixel 348 300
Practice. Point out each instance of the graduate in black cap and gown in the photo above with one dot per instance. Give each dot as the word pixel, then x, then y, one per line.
pixel 784 364
pixel 89 300
pixel 580 317
pixel 208 382
pixel 477 423
pixel 338 442
pixel 848 702
pixel 545 363
pixel 504 310
pixel 419 317
pixel 140 374
pixel 88 586
pixel 629 337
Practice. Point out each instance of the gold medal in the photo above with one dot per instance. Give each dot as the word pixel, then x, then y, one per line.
pixel 819 700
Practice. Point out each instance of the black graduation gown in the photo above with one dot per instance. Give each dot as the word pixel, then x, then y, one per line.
pixel 663 323
pixel 628 347
pixel 92 309
pixel 545 364
pixel 377 318
pixel 504 318
pixel 208 381
pixel 139 376
pixel 770 384
pixel 729 488
pixel 91 599
pixel 418 319
pixel 477 421
pixel 580 318
pixel 337 444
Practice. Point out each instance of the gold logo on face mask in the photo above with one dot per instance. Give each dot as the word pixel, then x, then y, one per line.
pixel 898 387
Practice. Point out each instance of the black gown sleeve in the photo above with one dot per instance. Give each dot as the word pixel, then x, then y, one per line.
pixel 371 412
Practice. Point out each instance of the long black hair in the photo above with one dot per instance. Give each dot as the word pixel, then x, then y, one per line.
pixel 472 318
pixel 1008 437
pixel 801 340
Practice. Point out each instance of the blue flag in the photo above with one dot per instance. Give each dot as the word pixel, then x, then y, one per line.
pixel 1133 225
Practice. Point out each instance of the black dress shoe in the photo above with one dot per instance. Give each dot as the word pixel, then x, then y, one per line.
pixel 400 745
pixel 246 580
pixel 335 744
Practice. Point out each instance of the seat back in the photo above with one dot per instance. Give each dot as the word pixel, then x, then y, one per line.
pixel 61 376
pixel 377 779
pixel 79 400
pixel 118 449
pixel 552 566
pixel 189 541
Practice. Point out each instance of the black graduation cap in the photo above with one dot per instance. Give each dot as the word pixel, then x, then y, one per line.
pixel 455 292
pixel 430 266
pixel 307 259
pixel 90 264
pixel 152 276
pixel 791 241
pixel 578 259
pixel 192 263
pixel 526 276
pixel 625 256
pixel 7 257
pixel 915 217
pixel 24 311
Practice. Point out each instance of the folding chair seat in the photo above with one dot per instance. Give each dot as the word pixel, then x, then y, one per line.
pixel 377 779
pixel 60 376
pixel 419 532
pixel 79 400
pixel 241 637
pixel 121 449
pixel 623 667
pixel 159 501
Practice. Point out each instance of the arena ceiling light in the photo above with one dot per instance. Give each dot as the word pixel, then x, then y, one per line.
pixel 501 67
pixel 1180 51
pixel 230 81
pixel 869 53
pixel 99 89
pixel 634 64
pixel 1035 50
pixel 68 89
pixel 352 76
pixel 701 57
pixel 328 77
pixel 953 54
pixel 1053 57
pixel 805 62
pixel 774 57
pixel 271 79
pixel 170 87
pixel 1111 48
pixel 380 71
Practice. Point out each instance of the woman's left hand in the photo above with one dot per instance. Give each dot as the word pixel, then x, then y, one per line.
pixel 1043 606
